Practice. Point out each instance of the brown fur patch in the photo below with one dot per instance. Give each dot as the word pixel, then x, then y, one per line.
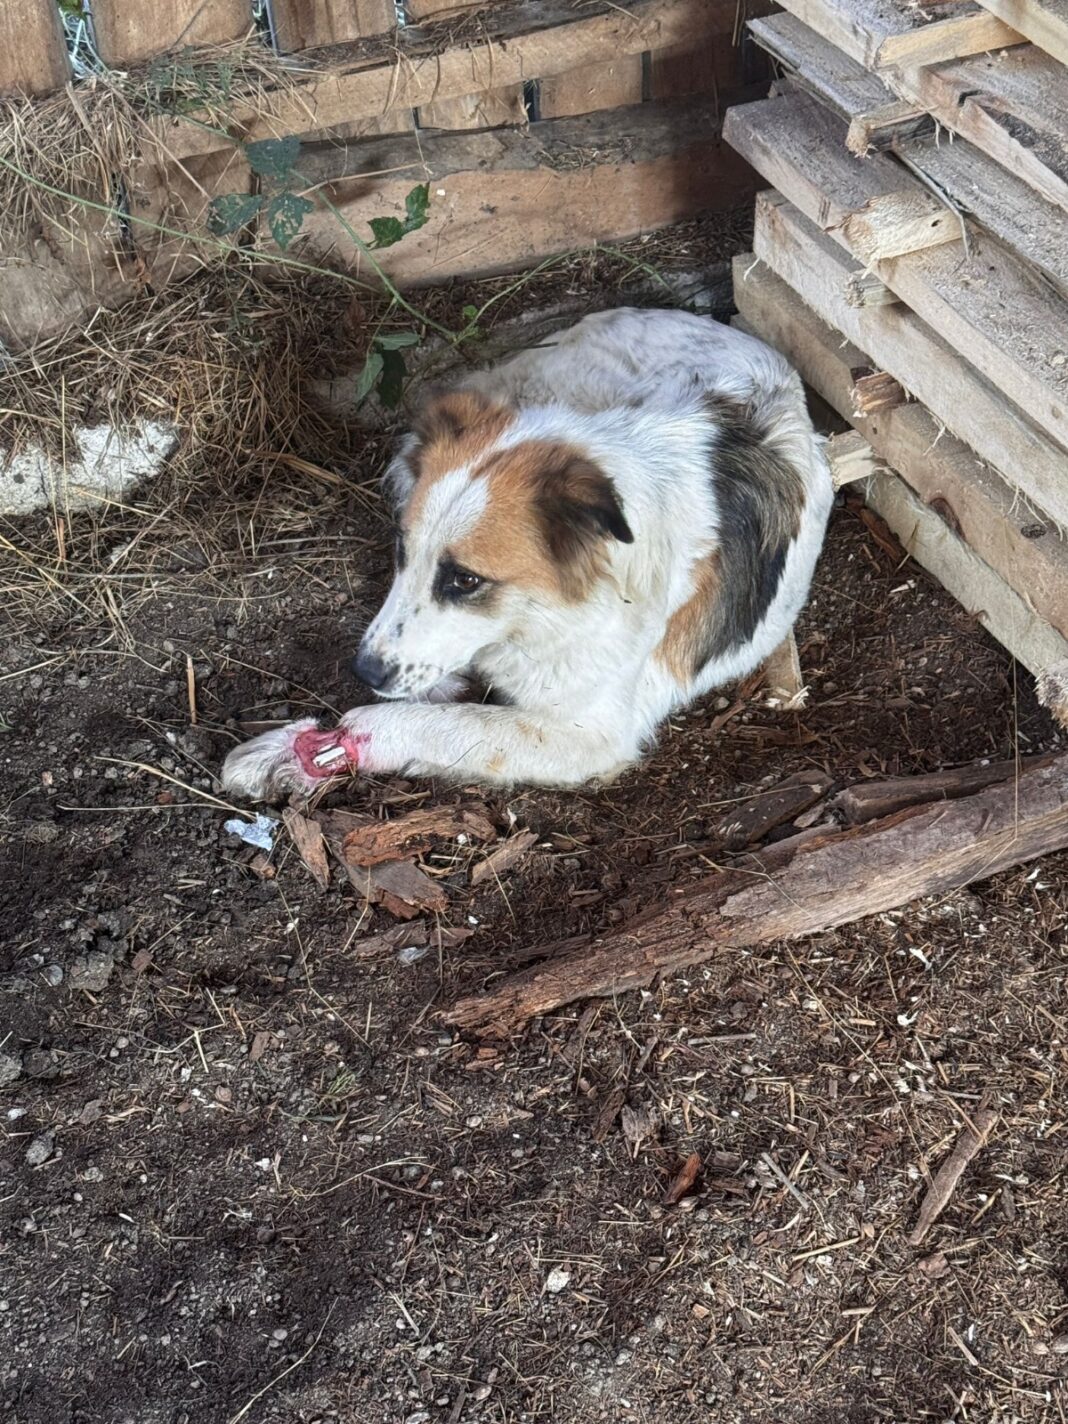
pixel 456 429
pixel 546 523
pixel 681 646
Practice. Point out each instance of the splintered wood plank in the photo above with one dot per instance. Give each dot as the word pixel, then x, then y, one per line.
pixel 883 34
pixel 1043 22
pixel 896 340
pixel 986 302
pixel 558 185
pixel 989 514
pixel 130 30
pixel 874 207
pixel 1013 106
pixel 592 86
pixel 303 24
pixel 410 69
pixel 33 51
pixel 876 116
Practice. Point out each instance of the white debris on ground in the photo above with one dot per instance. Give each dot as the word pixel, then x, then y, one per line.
pixel 104 464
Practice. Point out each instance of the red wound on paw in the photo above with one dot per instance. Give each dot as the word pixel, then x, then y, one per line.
pixel 323 754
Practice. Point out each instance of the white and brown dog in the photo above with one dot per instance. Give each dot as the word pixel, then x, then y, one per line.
pixel 599 530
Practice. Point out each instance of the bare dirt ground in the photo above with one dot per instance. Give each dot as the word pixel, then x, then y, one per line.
pixel 246 1175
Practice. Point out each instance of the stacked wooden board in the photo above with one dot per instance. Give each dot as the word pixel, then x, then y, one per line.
pixel 911 262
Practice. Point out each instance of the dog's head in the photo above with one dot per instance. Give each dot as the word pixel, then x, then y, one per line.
pixel 495 530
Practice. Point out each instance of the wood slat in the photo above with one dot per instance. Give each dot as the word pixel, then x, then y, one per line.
pixel 303 24
pixel 1043 22
pixel 558 185
pixel 985 302
pixel 33 52
pixel 897 341
pixel 376 79
pixel 883 34
pixel 987 512
pixel 130 30
pixel 877 118
pixel 1012 107
pixel 607 85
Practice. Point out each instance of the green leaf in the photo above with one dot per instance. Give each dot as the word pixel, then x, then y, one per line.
pixel 469 314
pixel 391 385
pixel 272 158
pixel 394 340
pixel 372 369
pixel 417 207
pixel 232 211
pixel 386 231
pixel 285 215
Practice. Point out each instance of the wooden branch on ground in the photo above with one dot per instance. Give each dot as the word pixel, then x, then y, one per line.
pixel 806 885
pixel 949 1174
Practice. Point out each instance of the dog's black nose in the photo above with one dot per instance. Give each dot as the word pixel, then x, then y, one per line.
pixel 371 669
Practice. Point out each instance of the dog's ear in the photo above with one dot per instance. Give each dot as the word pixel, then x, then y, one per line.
pixel 578 508
pixel 400 477
pixel 450 416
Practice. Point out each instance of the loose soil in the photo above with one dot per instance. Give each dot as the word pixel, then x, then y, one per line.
pixel 246 1175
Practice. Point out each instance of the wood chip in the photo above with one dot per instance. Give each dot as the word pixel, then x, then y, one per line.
pixel 261 1041
pixel 141 961
pixel 413 834
pixel 261 866
pixel 501 860
pixel 609 1111
pixel 752 820
pixel 949 1174
pixel 399 887
pixel 684 1179
pixel 407 936
pixel 307 836
pixel 639 1124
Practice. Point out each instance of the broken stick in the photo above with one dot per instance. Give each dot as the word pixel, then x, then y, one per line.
pixel 810 883
pixel 949 1174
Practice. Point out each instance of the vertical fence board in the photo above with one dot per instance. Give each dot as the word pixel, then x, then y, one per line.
pixel 130 30
pixel 33 52
pixel 590 87
pixel 303 24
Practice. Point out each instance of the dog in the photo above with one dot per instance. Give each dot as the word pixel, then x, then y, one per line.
pixel 600 530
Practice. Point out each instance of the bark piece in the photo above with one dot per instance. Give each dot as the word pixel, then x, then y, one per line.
pixel 501 860
pixel 413 834
pixel 949 1174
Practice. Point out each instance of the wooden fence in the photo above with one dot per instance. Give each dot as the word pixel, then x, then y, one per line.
pixel 541 125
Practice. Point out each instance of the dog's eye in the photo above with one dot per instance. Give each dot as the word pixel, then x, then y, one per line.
pixel 464 581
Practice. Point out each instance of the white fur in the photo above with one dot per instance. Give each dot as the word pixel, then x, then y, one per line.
pixel 585 692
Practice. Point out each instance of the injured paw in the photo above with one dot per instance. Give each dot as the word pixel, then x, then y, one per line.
pixel 323 754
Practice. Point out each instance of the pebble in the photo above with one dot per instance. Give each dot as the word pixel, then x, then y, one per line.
pixel 10 1068
pixel 557 1280
pixel 92 971
pixel 53 974
pixel 41 1148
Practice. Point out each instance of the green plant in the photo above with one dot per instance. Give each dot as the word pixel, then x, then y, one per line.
pixel 283 207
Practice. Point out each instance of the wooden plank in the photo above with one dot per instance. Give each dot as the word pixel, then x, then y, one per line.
pixel 932 543
pixel 411 69
pixel 985 301
pixel 883 34
pixel 877 117
pixel 1043 22
pixel 486 110
pixel 33 51
pixel 874 207
pixel 989 514
pixel 130 30
pixel 1000 201
pixel 592 86
pixel 897 341
pixel 303 24
pixel 506 197
pixel 1013 107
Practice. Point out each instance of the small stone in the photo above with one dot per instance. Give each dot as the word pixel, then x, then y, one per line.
pixel 557 1280
pixel 92 971
pixel 53 975
pixel 41 1148
pixel 10 1068
pixel 483 1391
pixel 280 1334
pixel 1059 1345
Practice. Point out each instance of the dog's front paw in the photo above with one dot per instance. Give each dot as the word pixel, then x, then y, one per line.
pixel 269 766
